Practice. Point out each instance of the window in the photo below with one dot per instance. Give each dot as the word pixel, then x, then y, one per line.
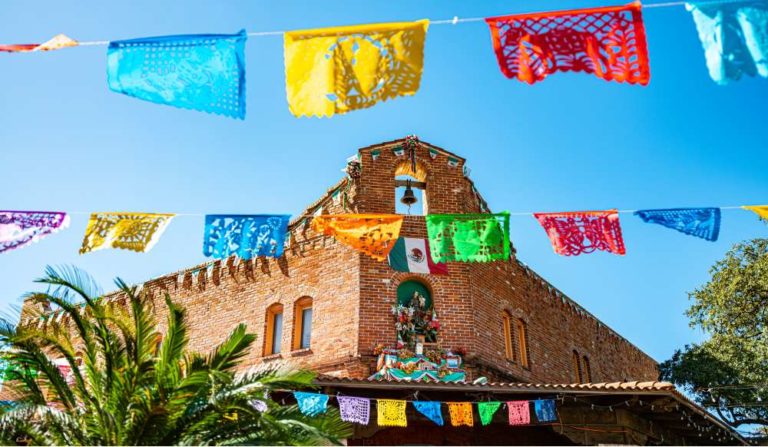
pixel 576 367
pixel 522 342
pixel 509 345
pixel 274 330
pixel 405 177
pixel 587 370
pixel 302 323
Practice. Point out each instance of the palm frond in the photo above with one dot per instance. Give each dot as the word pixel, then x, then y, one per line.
pixel 228 354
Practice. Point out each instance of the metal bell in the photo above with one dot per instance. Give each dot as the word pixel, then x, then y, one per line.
pixel 408 197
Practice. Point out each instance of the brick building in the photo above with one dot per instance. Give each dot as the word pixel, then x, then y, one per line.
pixel 326 307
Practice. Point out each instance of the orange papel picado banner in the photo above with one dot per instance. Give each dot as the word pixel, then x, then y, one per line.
pixel 337 70
pixel 372 234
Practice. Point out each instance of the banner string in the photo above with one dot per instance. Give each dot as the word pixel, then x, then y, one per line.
pixel 522 213
pixel 456 20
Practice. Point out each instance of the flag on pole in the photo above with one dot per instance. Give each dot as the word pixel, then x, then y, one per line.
pixel 413 255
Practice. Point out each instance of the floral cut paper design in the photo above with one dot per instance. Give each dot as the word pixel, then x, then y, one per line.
pixel 129 231
pixel 519 412
pixel 372 234
pixel 468 237
pixel 734 36
pixel 607 42
pixel 246 236
pixel 703 223
pixel 311 404
pixel 391 413
pixel 575 233
pixel 354 409
pixel 204 72
pixel 338 70
pixel 487 410
pixel 461 413
pixel 20 228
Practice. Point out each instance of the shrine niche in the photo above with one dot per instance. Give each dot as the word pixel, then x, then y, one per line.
pixel 417 355
pixel 416 321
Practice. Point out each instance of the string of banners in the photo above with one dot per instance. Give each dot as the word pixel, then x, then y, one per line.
pixel 450 237
pixel 392 412
pixel 336 70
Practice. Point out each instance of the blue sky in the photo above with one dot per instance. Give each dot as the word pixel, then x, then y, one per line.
pixel 571 142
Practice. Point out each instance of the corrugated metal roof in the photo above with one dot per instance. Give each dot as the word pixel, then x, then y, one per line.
pixel 648 388
pixel 635 386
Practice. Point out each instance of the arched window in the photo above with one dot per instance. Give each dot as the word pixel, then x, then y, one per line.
pixel 522 342
pixel 273 332
pixel 587 369
pixel 576 367
pixel 509 344
pixel 405 177
pixel 302 323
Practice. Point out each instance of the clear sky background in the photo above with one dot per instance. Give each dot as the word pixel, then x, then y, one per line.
pixel 571 142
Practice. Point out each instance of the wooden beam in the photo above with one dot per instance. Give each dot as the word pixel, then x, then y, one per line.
pixel 414 184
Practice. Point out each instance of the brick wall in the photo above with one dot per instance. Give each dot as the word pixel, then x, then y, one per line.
pixel 471 299
pixel 352 293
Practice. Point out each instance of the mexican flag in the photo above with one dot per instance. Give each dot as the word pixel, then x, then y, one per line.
pixel 412 255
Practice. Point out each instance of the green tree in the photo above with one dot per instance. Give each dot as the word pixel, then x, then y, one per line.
pixel 729 372
pixel 131 386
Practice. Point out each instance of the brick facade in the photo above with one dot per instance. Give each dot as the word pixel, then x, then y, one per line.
pixel 352 293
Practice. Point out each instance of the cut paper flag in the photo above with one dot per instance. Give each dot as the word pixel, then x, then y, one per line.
pixel 204 72
pixel 545 410
pixel 461 413
pixel 413 255
pixel 581 232
pixel 372 234
pixel 607 42
pixel 734 36
pixel 761 211
pixel 246 236
pixel 519 412
pixel 56 43
pixel 487 410
pixel 354 409
pixel 20 228
pixel 431 410
pixel 468 237
pixel 311 404
pixel 391 413
pixel 129 231
pixel 703 223
pixel 338 70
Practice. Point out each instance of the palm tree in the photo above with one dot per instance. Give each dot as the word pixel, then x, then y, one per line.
pixel 128 385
